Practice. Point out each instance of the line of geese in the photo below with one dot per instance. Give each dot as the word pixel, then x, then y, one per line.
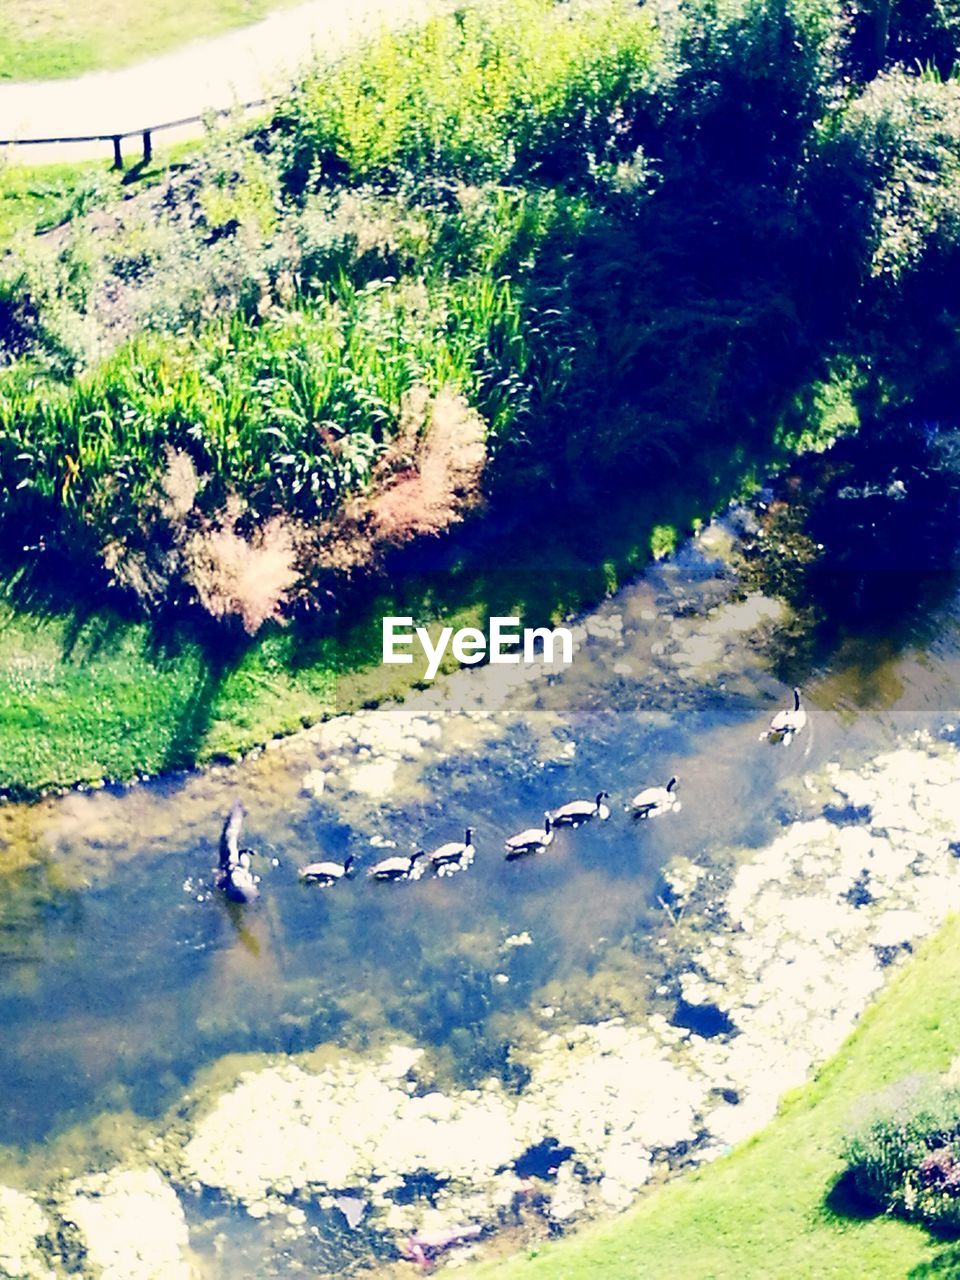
pixel 236 879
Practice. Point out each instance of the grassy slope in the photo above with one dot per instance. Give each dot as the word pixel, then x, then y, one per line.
pixel 69 678
pixel 85 694
pixel 52 38
pixel 36 198
pixel 762 1212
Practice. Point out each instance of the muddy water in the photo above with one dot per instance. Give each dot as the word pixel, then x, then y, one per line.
pixel 122 973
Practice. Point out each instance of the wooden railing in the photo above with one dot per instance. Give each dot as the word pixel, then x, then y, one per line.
pixel 146 134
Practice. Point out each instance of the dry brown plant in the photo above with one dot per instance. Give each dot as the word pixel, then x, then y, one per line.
pixel 179 486
pixel 426 482
pixel 245 577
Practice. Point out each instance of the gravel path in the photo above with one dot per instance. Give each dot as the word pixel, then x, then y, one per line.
pixel 239 66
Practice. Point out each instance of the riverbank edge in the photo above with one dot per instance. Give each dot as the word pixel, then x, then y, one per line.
pixel 731 1220
pixel 126 716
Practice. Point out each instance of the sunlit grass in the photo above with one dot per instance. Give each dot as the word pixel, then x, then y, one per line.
pixel 52 39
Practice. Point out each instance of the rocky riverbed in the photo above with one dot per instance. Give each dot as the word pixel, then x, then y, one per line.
pixel 765 960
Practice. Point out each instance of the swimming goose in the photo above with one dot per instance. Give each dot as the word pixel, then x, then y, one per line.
pixel 533 840
pixel 238 882
pixel 789 721
pixel 577 811
pixel 326 873
pixel 230 837
pixel 234 874
pixel 653 801
pixel 453 856
pixel 396 868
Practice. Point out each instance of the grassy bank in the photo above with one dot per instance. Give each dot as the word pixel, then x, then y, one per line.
pixel 35 199
pixel 54 39
pixel 770 1209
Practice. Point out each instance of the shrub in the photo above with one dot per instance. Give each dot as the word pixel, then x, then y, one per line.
pixel 425 483
pixel 914 33
pixel 750 80
pixel 360 235
pixel 478 93
pixel 249 577
pixel 229 563
pixel 896 150
pixel 904 1154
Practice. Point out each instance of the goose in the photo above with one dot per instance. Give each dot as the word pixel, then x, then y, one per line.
pixel 326 873
pixel 789 721
pixel 577 811
pixel 230 837
pixel 653 801
pixel 453 856
pixel 234 874
pixel 533 840
pixel 238 882
pixel 396 868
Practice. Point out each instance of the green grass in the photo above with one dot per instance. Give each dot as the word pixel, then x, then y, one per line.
pixel 34 198
pixel 37 197
pixel 499 90
pixel 83 700
pixel 47 39
pixel 763 1212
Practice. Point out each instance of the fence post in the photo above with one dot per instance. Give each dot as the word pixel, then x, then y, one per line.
pixel 117 156
pixel 147 146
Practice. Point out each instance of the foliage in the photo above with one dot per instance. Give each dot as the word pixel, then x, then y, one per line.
pixel 909 33
pixel 235 575
pixel 898 145
pixel 532 88
pixel 291 413
pixel 751 79
pixel 39 42
pixel 422 484
pixel 35 198
pixel 904 1154
pixel 623 244
pixel 232 566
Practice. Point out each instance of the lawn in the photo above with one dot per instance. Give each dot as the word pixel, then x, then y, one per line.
pixel 46 39
pixel 34 198
pixel 767 1211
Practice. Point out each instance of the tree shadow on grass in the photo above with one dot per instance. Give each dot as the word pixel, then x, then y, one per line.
pixel 844 1202
pixel 51 589
pixel 196 714
pixel 96 621
pixel 946 1263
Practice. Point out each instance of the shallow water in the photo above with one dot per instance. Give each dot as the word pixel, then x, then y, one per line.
pixel 122 973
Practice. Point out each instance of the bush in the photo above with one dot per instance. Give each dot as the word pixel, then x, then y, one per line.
pixel 896 151
pixel 585 239
pixel 533 86
pixel 750 80
pixel 904 1155
pixel 912 33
